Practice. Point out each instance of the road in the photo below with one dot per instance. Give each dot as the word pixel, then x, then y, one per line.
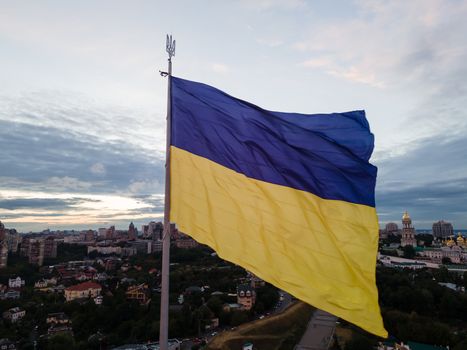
pixel 319 332
pixel 284 302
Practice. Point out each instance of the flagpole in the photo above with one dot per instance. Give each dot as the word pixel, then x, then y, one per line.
pixel 164 317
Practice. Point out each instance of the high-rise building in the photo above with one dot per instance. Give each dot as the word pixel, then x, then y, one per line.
pixel 157 232
pixel 145 230
pixel 102 231
pixel 12 239
pixel 36 249
pixel 132 232
pixel 50 247
pixel 3 246
pixel 3 254
pixel 89 236
pixel 110 233
pixel 408 231
pixel 392 228
pixel 442 229
pixel 2 231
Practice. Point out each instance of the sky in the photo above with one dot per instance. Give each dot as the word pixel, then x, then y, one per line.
pixel 82 103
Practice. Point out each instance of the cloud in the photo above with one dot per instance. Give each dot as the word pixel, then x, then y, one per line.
pixel 57 159
pixel 393 42
pixel 145 187
pixel 52 170
pixel 262 5
pixel 220 68
pixel 97 169
pixel 67 183
pixel 414 52
pixel 429 182
pixel 34 209
pixel 39 203
pixel 270 42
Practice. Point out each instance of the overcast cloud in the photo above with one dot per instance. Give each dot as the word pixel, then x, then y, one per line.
pixel 82 106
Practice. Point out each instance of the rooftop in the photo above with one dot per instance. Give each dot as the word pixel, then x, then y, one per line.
pixel 84 286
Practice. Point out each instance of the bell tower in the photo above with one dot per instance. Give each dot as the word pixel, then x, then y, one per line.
pixel 408 231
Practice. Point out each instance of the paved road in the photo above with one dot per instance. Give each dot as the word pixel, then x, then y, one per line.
pixel 319 332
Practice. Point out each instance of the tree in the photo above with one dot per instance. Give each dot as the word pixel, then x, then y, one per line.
pixel 446 261
pixel 61 341
pixel 238 317
pixel 360 342
pixel 409 252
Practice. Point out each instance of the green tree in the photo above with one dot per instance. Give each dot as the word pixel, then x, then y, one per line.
pixel 238 317
pixel 409 252
pixel 360 342
pixel 61 341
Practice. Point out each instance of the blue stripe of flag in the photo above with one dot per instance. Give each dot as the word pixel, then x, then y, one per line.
pixel 324 154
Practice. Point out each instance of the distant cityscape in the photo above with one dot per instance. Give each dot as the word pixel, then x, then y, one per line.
pixel 91 284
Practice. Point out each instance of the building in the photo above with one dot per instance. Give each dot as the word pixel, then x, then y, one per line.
pixel 186 243
pixel 408 231
pixel 455 250
pixel 2 231
pixel 231 307
pixel 58 323
pixel 246 296
pixel 83 290
pixel 132 232
pixel 256 282
pixel 111 263
pixel 409 346
pixel 110 232
pixel 16 282
pixel 89 236
pixel 14 314
pixel 12 239
pixel 105 249
pixel 142 246
pixel 57 318
pixel 10 294
pixel 3 246
pixel 6 344
pixel 36 249
pixel 156 246
pixel 101 232
pixel 3 254
pixel 442 229
pixel 50 247
pixel 139 293
pixel 44 283
pixel 392 228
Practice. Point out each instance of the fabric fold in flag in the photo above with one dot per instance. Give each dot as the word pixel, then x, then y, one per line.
pixel 289 197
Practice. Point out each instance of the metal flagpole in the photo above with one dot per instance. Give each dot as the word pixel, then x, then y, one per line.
pixel 164 319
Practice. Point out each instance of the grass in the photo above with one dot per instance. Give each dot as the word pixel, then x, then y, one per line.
pixel 281 331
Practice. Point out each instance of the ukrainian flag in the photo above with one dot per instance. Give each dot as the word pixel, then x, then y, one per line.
pixel 287 196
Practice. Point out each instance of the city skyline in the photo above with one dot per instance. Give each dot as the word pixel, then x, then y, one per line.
pixel 82 105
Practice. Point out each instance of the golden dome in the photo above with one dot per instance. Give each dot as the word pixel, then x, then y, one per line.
pixel 450 242
pixel 405 216
pixel 460 239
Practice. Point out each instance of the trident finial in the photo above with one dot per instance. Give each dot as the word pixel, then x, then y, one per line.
pixel 170 46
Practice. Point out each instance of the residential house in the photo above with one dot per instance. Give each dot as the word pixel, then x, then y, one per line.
pixel 6 344
pixel 83 290
pixel 16 282
pixel 58 322
pixel 139 293
pixel 246 296
pixel 14 314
